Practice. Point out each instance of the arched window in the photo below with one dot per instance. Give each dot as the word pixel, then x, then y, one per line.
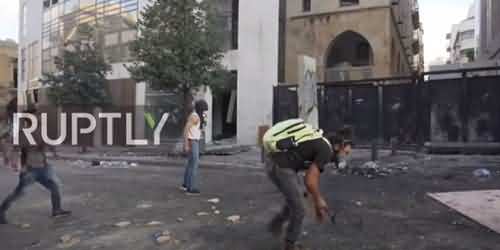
pixel 349 49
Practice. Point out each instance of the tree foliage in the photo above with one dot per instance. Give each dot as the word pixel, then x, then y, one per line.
pixel 180 46
pixel 80 75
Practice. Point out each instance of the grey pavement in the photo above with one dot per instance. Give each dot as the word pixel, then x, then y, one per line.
pixel 373 214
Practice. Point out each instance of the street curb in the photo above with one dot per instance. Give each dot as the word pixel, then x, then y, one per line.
pixel 165 163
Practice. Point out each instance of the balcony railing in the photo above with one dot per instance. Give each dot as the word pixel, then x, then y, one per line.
pixel 348 73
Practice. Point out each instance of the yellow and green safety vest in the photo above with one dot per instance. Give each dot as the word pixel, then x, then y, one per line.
pixel 289 134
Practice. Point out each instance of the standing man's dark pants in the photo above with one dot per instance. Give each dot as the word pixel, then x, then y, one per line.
pixel 293 211
pixel 45 177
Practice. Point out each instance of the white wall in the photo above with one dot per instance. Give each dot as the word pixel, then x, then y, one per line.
pixel 257 66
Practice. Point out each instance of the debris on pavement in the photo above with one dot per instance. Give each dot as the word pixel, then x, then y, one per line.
pixel 202 214
pixel 482 173
pixel 154 223
pixel 359 203
pixel 216 212
pixel 123 224
pixel 214 200
pixel 214 208
pixel 104 164
pixel 180 219
pixel 67 241
pixel 234 218
pixel 25 226
pixel 162 237
pixel 373 169
pixel 144 206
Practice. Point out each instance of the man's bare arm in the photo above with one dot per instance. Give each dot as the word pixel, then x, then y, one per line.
pixel 312 185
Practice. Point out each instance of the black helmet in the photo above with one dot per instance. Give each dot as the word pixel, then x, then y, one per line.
pixel 200 107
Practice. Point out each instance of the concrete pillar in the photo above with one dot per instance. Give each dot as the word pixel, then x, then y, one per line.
pixel 308 90
pixel 257 66
pixel 140 103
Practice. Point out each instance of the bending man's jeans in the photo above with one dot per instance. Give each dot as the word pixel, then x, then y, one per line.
pixel 191 172
pixel 293 211
pixel 45 177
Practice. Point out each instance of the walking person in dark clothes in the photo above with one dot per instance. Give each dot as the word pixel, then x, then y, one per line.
pixel 293 146
pixel 34 167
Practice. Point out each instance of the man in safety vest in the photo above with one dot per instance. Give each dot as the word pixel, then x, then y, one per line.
pixel 293 146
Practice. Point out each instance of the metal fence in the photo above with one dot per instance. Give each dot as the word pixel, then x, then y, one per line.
pixel 407 111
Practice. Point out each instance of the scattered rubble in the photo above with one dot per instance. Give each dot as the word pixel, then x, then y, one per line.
pixel 234 218
pixel 162 237
pixel 144 206
pixel 202 214
pixel 154 223
pixel 214 200
pixel 25 226
pixel 482 173
pixel 180 219
pixel 104 164
pixel 123 224
pixel 373 169
pixel 67 241
pixel 359 203
pixel 216 212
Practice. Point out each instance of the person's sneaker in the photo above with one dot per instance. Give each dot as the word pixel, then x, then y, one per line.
pixel 183 188
pixel 193 192
pixel 60 213
pixel 275 227
pixel 291 246
pixel 3 219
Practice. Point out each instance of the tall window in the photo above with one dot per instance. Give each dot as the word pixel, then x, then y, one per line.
pixel 466 35
pixel 348 2
pixel 234 24
pixel 306 5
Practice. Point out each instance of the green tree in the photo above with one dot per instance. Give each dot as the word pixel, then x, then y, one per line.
pixel 80 75
pixel 180 47
pixel 79 80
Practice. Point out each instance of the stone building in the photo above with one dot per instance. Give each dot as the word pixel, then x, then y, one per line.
pixel 353 39
pixel 8 71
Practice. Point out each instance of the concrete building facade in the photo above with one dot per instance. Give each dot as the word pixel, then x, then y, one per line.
pixel 8 71
pixel 488 26
pixel 353 39
pixel 463 39
pixel 252 56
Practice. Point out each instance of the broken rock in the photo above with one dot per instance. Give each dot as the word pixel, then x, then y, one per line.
pixel 162 237
pixel 202 214
pixel 123 224
pixel 67 241
pixel 154 223
pixel 144 206
pixel 214 200
pixel 234 218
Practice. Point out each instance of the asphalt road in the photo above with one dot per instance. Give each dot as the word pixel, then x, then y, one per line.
pixel 388 213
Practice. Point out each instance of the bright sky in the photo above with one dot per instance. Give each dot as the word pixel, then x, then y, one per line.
pixel 437 17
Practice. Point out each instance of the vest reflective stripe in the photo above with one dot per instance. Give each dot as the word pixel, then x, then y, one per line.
pixel 295 130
